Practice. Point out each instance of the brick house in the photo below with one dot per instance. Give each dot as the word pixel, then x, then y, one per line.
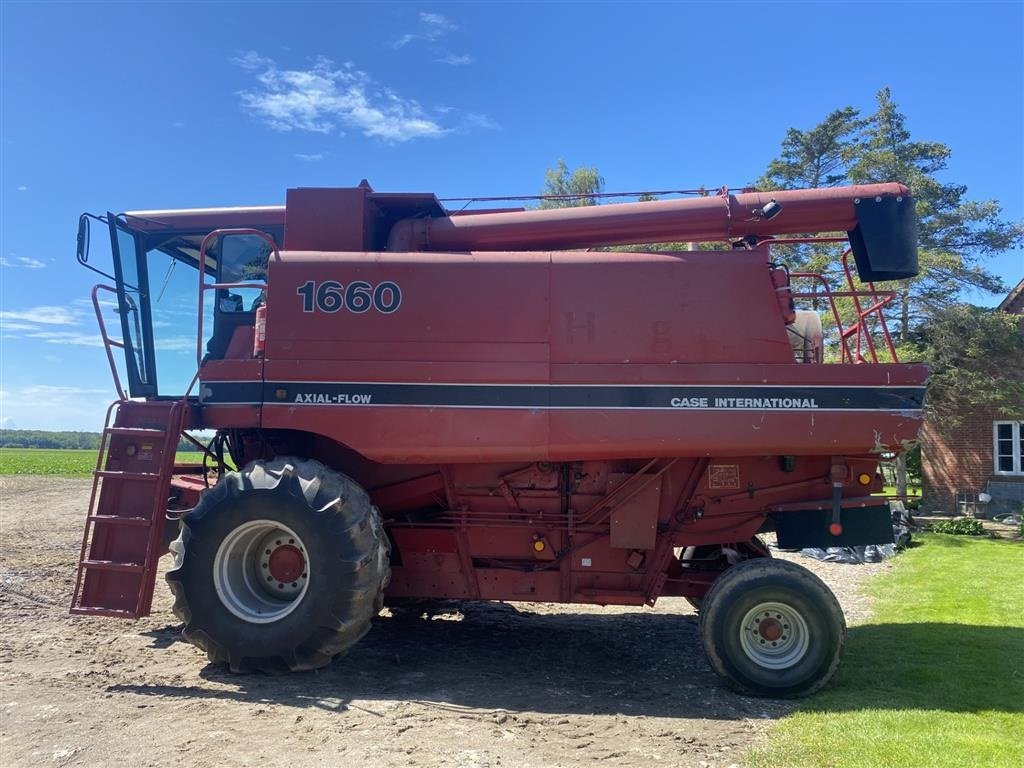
pixel 985 453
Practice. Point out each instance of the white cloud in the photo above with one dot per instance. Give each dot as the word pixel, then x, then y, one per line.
pixel 404 40
pixel 21 261
pixel 50 391
pixel 44 406
pixel 176 344
pixel 431 27
pixel 9 326
pixel 23 188
pixel 41 316
pixel 322 97
pixel 66 338
pixel 474 120
pixel 455 61
pixel 437 21
pixel 314 158
pixel 52 325
pixel 252 61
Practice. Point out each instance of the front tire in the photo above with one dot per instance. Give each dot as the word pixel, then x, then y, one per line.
pixel 280 567
pixel 772 628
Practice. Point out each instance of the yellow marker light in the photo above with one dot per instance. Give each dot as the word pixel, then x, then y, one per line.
pixel 538 545
pixel 864 478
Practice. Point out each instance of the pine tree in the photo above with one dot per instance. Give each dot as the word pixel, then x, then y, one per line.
pixel 954 235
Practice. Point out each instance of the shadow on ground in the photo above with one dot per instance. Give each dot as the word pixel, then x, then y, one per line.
pixel 492 656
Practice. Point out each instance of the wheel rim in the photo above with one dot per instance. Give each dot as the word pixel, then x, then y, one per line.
pixel 774 635
pixel 261 571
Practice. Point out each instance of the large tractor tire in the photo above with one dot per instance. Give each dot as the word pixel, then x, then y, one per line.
pixel 772 628
pixel 280 567
pixel 690 555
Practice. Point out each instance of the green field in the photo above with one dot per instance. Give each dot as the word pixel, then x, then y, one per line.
pixel 936 678
pixel 64 463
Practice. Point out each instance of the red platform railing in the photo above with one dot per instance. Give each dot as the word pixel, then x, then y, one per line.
pixel 857 339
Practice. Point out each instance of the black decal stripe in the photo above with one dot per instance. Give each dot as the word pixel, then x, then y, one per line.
pixel 567 397
pixel 233 392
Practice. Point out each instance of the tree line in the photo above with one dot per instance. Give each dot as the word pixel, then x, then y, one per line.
pixel 37 438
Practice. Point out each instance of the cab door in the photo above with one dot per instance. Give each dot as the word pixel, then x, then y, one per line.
pixel 133 305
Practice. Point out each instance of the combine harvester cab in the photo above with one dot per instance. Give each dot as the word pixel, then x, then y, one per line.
pixel 408 403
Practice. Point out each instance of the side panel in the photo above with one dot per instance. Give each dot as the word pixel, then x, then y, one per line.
pixel 688 307
pixel 533 356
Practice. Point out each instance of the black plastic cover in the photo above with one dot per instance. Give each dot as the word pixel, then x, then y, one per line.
pixel 809 528
pixel 884 241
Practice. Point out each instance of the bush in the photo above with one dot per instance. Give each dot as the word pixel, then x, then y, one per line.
pixel 960 526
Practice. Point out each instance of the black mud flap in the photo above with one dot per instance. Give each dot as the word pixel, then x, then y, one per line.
pixel 810 527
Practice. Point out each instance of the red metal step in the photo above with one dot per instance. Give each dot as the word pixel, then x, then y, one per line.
pixel 121 542
pixel 108 565
pixel 117 475
pixel 140 432
pixel 120 520
pixel 79 611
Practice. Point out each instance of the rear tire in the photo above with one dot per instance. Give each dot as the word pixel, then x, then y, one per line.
pixel 772 628
pixel 280 567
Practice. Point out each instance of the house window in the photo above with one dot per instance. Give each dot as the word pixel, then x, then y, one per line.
pixel 1008 447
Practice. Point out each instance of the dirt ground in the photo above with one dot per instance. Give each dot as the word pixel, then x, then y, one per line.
pixel 477 686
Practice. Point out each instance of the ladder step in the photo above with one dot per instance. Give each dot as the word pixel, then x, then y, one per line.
pixel 151 476
pixel 83 610
pixel 135 432
pixel 109 565
pixel 141 522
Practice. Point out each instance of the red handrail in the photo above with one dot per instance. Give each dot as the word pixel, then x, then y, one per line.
pixel 107 341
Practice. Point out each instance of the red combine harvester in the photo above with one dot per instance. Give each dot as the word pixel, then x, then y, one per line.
pixel 422 404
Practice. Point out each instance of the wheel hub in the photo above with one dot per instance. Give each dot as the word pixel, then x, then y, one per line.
pixel 770 629
pixel 286 563
pixel 774 635
pixel 261 571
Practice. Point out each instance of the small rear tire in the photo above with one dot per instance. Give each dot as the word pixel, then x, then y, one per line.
pixel 280 567
pixel 772 628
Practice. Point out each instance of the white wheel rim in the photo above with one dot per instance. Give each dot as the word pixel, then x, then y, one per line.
pixel 774 635
pixel 261 571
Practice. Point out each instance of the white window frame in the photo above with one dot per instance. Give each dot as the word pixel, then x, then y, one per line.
pixel 1017 428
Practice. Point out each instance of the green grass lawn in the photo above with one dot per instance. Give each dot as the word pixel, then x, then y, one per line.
pixel 936 678
pixel 890 490
pixel 65 463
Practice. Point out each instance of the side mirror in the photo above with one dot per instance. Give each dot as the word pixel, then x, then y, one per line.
pixel 82 254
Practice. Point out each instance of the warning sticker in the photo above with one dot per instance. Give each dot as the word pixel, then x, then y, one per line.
pixel 724 476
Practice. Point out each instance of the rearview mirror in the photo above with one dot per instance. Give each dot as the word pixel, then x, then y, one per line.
pixel 83 239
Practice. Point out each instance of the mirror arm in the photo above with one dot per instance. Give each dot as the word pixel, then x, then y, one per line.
pixel 82 252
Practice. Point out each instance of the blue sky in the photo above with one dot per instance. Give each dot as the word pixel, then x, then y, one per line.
pixel 148 105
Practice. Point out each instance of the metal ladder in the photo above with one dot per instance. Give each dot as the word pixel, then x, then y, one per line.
pixel 123 531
